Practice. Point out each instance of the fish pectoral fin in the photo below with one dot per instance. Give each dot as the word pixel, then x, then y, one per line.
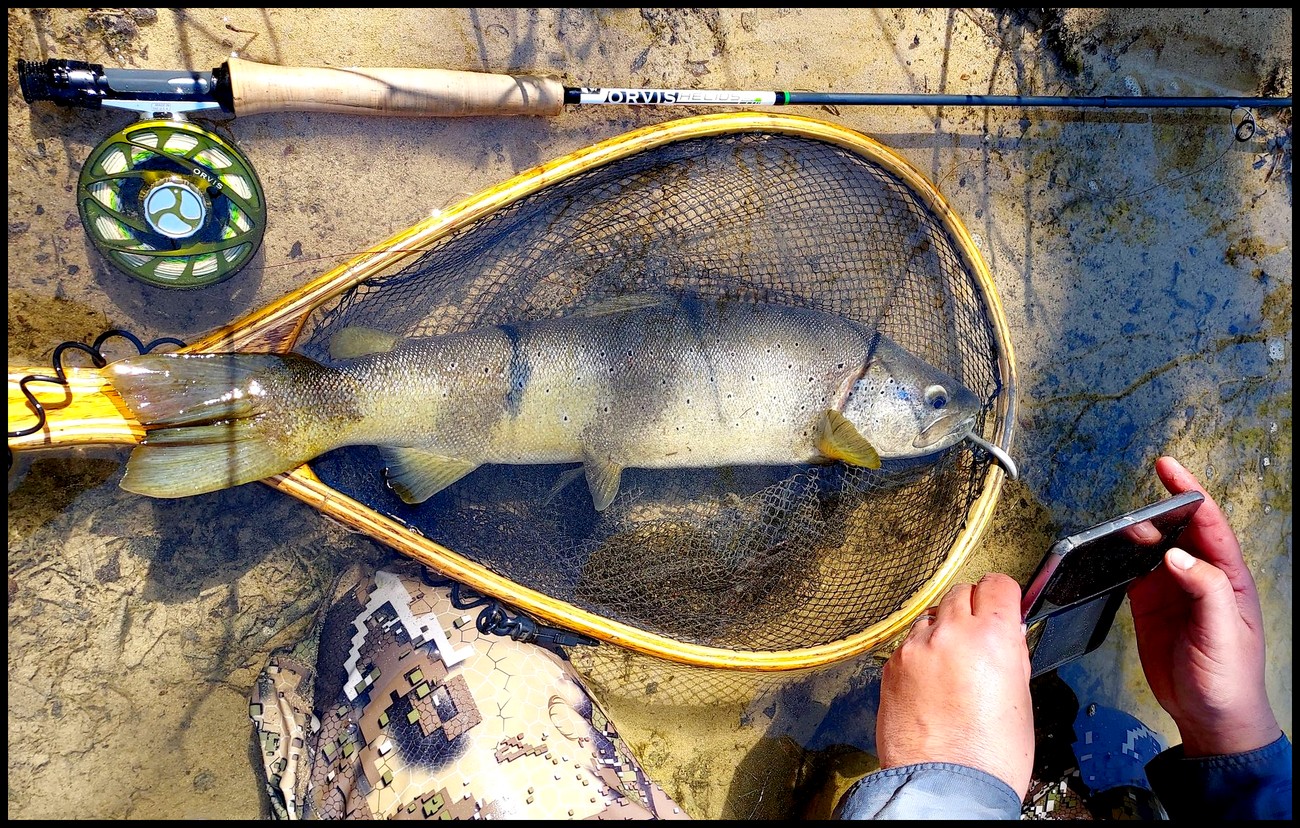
pixel 417 475
pixel 840 440
pixel 602 477
pixel 357 341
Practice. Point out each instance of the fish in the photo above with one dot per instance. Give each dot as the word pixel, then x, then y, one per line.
pixel 656 381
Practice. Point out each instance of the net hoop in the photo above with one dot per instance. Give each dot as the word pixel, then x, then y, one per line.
pixel 278 326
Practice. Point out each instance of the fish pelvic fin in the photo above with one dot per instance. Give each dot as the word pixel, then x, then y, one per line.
pixel 602 478
pixel 417 475
pixel 207 422
pixel 839 439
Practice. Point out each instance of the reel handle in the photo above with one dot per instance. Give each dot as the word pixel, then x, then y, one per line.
pixel 260 87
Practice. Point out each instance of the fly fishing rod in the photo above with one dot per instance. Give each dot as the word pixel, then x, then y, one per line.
pixel 175 205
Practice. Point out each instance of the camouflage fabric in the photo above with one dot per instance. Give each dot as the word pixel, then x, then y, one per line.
pixel 1068 798
pixel 412 713
pixel 1063 798
pixel 1069 737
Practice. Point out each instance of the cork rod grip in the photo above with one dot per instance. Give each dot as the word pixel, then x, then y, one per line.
pixel 260 87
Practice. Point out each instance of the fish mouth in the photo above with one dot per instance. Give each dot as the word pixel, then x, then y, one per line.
pixel 944 431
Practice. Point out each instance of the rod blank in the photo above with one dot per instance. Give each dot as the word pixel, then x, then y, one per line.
pixel 732 97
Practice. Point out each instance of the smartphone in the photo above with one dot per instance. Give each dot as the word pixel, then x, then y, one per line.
pixel 1072 598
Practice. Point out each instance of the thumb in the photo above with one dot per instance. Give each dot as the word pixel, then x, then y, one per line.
pixel 1207 585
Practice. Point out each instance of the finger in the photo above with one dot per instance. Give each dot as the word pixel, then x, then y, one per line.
pixel 922 622
pixel 1209 522
pixel 1144 592
pixel 1212 595
pixel 997 596
pixel 956 604
pixel 1209 533
pixel 1143 534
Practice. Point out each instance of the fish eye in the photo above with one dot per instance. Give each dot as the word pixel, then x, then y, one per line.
pixel 936 396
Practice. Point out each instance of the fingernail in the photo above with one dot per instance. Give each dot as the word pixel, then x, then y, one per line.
pixel 1180 559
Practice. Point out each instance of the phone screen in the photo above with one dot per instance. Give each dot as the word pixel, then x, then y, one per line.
pixel 1086 564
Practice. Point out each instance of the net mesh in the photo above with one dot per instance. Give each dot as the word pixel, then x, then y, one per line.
pixel 743 558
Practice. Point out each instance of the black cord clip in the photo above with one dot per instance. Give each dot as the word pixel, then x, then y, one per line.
pixel 496 620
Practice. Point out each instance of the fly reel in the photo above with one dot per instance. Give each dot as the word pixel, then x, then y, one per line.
pixel 172 204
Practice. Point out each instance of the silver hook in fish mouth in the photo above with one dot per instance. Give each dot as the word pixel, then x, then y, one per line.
pixel 1003 459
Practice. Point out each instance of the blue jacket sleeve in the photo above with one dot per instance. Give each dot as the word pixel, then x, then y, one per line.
pixel 1251 785
pixel 930 790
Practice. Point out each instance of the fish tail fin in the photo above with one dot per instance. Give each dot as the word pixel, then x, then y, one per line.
pixel 177 469
pixel 208 421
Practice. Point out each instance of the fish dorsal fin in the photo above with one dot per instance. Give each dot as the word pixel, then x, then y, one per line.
pixel 840 440
pixel 357 341
pixel 624 304
pixel 417 475
pixel 602 476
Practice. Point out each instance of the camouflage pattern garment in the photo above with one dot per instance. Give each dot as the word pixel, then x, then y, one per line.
pixel 415 714
pixel 1089 760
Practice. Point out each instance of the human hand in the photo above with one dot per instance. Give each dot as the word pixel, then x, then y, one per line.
pixel 1200 633
pixel 957 688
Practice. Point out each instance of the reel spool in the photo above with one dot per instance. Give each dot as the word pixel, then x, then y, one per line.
pixel 172 204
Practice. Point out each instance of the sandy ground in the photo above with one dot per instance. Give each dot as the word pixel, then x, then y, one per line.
pixel 1143 259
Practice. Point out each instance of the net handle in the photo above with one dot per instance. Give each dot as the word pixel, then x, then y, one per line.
pixel 84 412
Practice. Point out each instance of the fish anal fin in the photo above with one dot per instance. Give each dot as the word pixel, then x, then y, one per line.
pixel 840 440
pixel 417 475
pixel 602 477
